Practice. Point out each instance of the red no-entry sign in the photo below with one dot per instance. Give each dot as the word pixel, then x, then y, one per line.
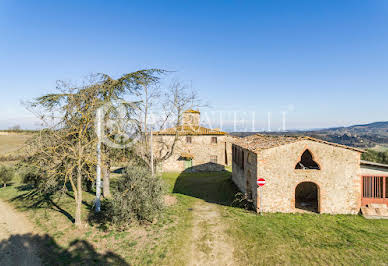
pixel 260 182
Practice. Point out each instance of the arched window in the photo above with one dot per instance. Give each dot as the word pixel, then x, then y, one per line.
pixel 307 162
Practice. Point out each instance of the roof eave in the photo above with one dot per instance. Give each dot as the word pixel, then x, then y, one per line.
pixel 374 164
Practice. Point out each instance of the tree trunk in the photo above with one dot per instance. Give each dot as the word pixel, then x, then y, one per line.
pixel 106 180
pixel 5 184
pixel 78 195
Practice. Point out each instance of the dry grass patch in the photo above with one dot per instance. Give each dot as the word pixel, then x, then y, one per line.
pixel 13 143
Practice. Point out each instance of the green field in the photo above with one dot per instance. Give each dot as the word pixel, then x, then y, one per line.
pixel 257 240
pixel 290 238
pixel 381 148
pixel 12 143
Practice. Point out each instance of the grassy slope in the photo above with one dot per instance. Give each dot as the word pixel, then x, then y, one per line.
pixel 381 148
pixel 308 238
pixel 12 143
pixel 150 244
pixel 290 238
pixel 270 239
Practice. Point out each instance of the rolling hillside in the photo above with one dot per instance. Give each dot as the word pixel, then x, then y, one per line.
pixel 373 135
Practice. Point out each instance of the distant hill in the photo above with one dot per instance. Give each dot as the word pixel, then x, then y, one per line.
pixel 362 136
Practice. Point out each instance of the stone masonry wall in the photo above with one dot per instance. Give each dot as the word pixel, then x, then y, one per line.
pixel 229 142
pixel 200 147
pixel 338 180
pixel 245 179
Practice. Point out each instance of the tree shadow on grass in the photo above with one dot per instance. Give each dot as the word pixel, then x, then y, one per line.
pixel 38 201
pixel 213 187
pixel 42 202
pixel 35 200
pixel 23 249
pixel 120 170
pixel 8 184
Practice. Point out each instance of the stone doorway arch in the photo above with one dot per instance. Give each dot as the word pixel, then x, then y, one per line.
pixel 307 197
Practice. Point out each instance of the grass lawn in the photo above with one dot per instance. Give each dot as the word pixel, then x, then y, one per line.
pixel 147 244
pixel 308 238
pixel 290 238
pixel 258 240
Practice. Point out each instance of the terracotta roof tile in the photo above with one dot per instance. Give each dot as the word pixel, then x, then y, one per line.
pixel 192 111
pixel 187 155
pixel 189 130
pixel 258 142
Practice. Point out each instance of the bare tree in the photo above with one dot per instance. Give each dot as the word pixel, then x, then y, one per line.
pixel 166 106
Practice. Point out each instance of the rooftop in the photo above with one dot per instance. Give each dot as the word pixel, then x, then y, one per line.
pixel 374 164
pixel 192 111
pixel 189 130
pixel 259 142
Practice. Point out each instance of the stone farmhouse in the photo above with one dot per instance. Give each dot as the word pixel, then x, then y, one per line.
pixel 304 173
pixel 301 173
pixel 197 148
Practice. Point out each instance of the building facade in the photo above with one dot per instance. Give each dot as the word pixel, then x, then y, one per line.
pixel 301 173
pixel 196 148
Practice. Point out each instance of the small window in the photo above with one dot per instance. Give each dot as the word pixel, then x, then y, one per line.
pixel 188 139
pixel 213 158
pixel 214 140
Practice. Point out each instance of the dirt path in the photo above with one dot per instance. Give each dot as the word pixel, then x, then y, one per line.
pixel 210 244
pixel 14 248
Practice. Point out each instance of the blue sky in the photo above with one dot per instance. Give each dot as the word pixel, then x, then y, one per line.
pixel 324 62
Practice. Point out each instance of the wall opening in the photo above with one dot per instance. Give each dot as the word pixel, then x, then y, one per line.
pixel 307 162
pixel 226 154
pixel 306 197
pixel 248 187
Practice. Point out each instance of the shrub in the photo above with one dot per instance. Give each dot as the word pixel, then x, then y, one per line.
pixel 29 175
pixel 6 175
pixel 241 200
pixel 139 198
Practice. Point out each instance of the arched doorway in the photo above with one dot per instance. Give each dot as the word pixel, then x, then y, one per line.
pixel 307 197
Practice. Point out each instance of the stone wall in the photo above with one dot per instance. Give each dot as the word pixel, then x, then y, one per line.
pixel 338 179
pixel 200 147
pixel 245 179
